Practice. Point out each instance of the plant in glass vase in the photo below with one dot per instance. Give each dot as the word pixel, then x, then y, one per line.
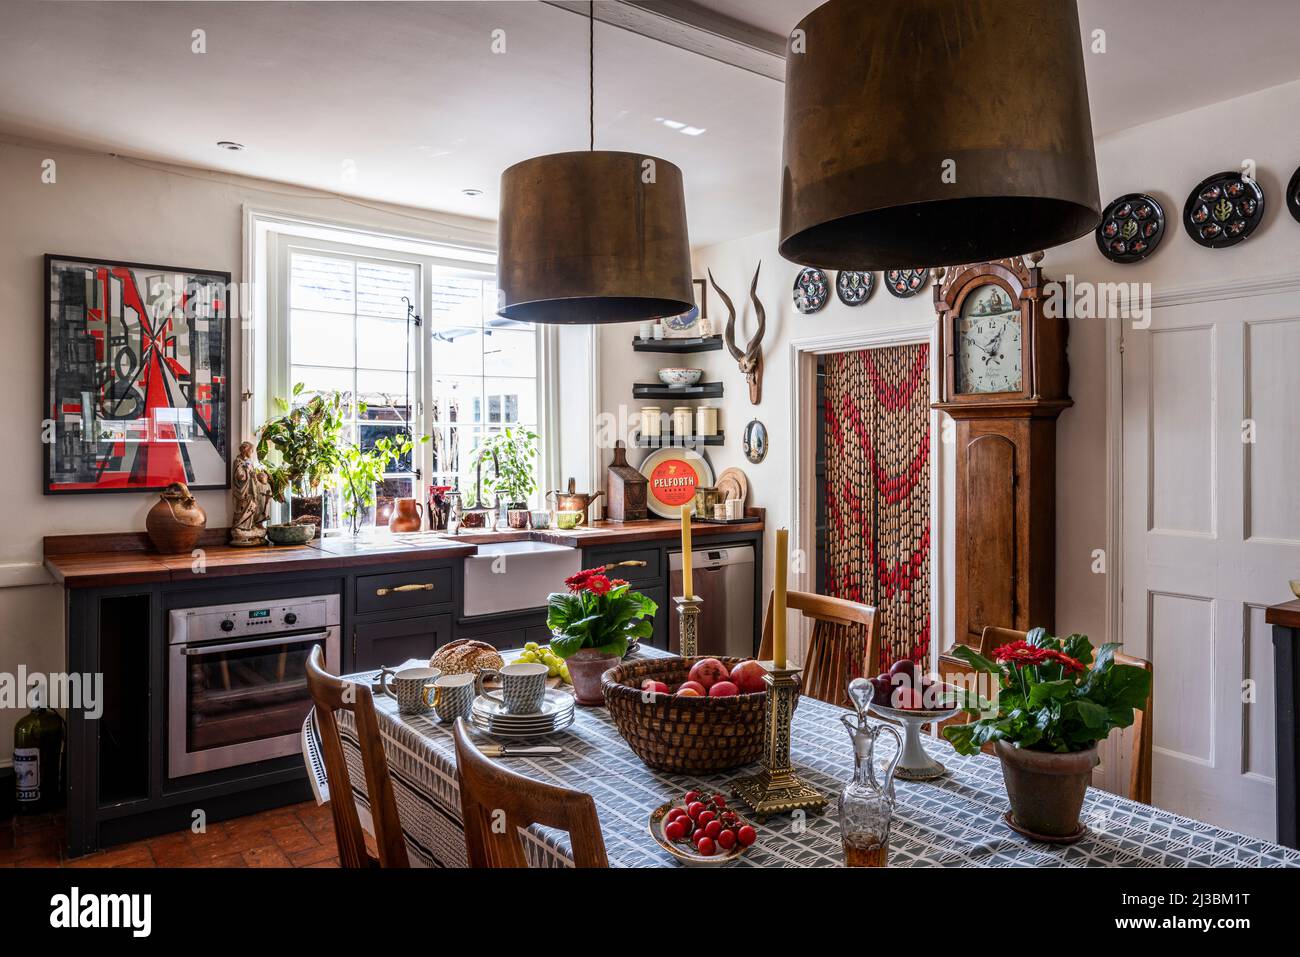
pixel 360 470
pixel 301 450
pixel 1054 700
pixel 593 623
pixel 507 462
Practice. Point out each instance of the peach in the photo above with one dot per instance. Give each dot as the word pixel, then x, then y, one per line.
pixel 748 677
pixel 707 671
pixel 692 687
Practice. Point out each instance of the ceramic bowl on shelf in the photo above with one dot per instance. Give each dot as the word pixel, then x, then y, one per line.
pixel 1295 587
pixel 680 377
pixel 299 534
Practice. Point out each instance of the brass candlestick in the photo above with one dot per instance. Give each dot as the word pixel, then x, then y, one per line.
pixel 688 625
pixel 776 788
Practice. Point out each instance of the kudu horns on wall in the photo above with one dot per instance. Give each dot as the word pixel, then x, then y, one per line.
pixel 751 359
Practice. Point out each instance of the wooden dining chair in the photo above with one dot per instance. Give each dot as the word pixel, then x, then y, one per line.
pixel 489 791
pixel 329 694
pixel 1140 753
pixel 845 643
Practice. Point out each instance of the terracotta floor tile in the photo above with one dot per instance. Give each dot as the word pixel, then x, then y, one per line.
pixel 270 856
pixel 293 837
pixel 313 855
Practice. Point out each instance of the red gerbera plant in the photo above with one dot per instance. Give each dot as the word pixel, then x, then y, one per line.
pixel 598 612
pixel 1053 694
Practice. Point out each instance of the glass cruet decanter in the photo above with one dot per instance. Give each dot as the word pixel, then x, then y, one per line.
pixel 866 804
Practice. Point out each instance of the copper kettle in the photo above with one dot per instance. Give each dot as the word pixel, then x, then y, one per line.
pixel 573 501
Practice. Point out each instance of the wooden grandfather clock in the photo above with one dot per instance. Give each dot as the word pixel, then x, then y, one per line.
pixel 1004 380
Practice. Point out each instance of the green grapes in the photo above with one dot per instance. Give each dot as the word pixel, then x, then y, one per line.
pixel 556 667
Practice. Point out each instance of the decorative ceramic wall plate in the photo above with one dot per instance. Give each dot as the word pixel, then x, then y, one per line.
pixel 1131 228
pixel 1223 209
pixel 854 288
pixel 674 474
pixel 811 290
pixel 1293 195
pixel 904 283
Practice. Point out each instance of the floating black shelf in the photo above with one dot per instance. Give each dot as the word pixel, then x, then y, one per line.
pixel 704 344
pixel 656 390
pixel 675 441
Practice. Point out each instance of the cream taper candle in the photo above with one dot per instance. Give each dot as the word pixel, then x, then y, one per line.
pixel 778 598
pixel 688 589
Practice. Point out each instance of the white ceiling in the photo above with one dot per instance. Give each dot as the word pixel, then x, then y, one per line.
pixel 413 96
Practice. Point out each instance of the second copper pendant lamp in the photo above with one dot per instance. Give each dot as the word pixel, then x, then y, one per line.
pixel 933 132
pixel 593 236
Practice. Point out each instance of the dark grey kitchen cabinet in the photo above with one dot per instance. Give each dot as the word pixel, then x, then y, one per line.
pixel 376 644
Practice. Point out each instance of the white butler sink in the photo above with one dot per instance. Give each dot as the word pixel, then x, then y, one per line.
pixel 514 576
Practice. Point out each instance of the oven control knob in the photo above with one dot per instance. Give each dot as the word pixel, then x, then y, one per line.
pixel 227 625
pixel 290 618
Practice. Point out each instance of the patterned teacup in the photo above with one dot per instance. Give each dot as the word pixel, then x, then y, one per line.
pixel 523 686
pixel 407 687
pixel 453 697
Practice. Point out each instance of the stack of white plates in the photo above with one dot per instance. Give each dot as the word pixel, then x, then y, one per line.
pixel 556 714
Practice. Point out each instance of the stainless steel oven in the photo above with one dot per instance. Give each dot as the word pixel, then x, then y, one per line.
pixel 237 679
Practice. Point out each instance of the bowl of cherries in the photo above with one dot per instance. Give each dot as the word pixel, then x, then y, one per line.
pixel 700 830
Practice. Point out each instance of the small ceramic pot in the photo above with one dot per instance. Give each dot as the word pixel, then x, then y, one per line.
pixel 517 518
pixel 290 534
pixel 586 668
pixel 176 521
pixel 408 516
pixel 1046 789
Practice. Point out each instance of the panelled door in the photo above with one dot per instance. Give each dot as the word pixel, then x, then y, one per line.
pixel 1211 517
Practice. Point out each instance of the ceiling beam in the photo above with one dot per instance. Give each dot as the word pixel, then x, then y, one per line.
pixel 690 26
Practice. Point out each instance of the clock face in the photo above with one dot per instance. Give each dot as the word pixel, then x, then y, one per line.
pixel 988 343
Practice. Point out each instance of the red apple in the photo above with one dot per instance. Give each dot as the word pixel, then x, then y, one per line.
pixel 723 689
pixel 657 687
pixel 689 693
pixel 880 689
pixel 708 671
pixel 692 687
pixel 906 699
pixel 748 677
pixel 903 668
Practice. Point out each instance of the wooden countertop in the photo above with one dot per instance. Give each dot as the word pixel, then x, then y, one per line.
pixel 127 558
pixel 92 561
pixel 655 529
pixel 1286 614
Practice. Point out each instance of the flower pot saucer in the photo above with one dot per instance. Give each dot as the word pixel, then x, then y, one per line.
pixel 1074 838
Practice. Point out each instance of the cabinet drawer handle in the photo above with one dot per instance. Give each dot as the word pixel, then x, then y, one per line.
pixel 426 586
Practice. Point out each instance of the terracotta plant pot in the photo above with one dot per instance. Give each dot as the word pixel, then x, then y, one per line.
pixel 1046 789
pixel 586 668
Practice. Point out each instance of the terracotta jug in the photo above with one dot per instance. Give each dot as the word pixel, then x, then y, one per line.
pixel 176 521
pixel 408 516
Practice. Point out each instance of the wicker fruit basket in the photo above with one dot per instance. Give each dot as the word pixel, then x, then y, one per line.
pixel 683 734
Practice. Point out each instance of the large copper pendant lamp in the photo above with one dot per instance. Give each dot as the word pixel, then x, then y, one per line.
pixel 593 237
pixel 932 132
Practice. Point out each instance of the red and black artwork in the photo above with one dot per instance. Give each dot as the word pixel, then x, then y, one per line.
pixel 137 382
pixel 876 540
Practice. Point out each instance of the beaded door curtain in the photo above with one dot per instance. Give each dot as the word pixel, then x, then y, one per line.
pixel 876 492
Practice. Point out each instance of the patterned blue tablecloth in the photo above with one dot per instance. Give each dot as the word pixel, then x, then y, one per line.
pixel 954 821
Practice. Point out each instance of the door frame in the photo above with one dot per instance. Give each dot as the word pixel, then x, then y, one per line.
pixel 805 418
pixel 1111 773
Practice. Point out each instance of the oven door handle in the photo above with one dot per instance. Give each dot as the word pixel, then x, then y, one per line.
pixel 260 643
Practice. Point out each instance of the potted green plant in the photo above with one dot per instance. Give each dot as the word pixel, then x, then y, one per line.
pixel 301 450
pixel 592 624
pixel 360 470
pixel 507 461
pixel 1054 700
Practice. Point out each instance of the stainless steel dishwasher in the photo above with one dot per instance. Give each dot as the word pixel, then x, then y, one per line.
pixel 724 579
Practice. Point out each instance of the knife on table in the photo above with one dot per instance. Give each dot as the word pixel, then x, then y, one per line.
pixel 508 751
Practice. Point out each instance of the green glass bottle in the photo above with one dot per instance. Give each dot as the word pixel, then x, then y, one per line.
pixel 38 757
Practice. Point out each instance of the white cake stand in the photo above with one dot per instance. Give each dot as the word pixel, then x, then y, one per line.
pixel 915 764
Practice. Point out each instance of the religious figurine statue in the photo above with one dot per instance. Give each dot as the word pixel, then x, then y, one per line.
pixel 252 492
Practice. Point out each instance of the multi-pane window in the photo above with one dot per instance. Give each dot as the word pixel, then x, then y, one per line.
pixel 346 328
pixel 483 375
pixel 348 331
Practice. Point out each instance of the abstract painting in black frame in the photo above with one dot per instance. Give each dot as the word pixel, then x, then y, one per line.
pixel 137 376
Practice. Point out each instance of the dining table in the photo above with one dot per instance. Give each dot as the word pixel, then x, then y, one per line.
pixel 953 821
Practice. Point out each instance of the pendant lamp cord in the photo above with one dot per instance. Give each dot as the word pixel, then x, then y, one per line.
pixel 591 75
